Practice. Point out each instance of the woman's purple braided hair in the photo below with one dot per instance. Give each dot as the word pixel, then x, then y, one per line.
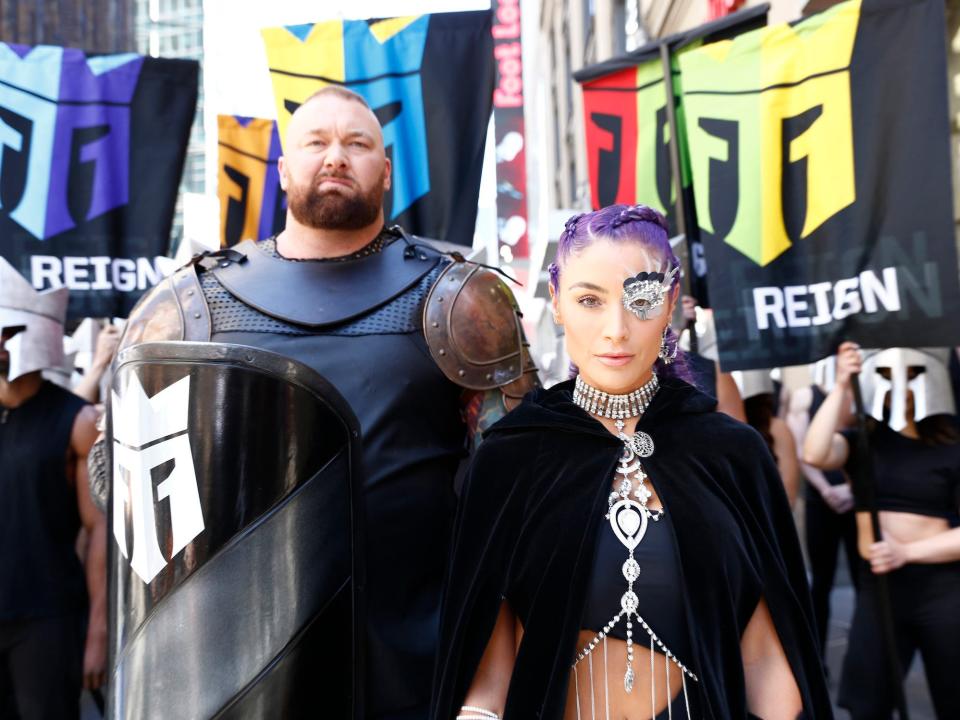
pixel 624 223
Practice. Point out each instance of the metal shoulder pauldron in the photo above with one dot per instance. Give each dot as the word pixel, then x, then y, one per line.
pixel 472 326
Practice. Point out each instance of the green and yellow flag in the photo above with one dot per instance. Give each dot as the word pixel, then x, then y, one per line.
pixel 820 162
pixel 628 133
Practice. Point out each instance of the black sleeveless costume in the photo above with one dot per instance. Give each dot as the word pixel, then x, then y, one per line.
pixel 413 441
pixel 924 480
pixel 43 596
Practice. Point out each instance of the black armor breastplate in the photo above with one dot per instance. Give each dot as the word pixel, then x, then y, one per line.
pixel 413 441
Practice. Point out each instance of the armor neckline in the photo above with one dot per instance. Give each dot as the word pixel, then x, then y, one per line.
pixel 322 294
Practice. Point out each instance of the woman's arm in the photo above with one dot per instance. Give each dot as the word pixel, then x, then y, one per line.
pixel 838 497
pixel 824 447
pixel 488 690
pixel 772 691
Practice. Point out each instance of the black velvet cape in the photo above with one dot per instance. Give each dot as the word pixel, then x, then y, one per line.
pixel 527 527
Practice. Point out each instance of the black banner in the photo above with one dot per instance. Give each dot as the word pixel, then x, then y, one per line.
pixel 91 153
pixel 429 79
pixel 820 159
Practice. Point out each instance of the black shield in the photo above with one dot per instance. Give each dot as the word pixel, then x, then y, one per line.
pixel 234 535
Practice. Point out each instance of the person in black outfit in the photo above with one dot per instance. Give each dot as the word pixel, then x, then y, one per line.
pixel 424 346
pixel 914 439
pixel 828 516
pixel 52 609
pixel 622 549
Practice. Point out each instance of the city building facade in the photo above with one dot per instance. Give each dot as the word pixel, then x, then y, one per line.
pixel 101 26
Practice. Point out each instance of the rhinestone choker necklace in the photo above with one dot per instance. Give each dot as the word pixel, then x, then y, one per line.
pixel 615 407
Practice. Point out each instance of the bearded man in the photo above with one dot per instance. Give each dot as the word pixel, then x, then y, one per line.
pixel 425 347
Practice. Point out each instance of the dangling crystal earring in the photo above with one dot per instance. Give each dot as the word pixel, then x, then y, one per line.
pixel 665 353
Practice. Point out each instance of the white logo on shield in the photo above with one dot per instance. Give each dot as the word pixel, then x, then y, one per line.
pixel 148 432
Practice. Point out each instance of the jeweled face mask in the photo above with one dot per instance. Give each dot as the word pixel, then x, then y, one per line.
pixel 645 294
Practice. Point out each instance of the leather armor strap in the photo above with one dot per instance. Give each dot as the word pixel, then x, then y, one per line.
pixel 317 294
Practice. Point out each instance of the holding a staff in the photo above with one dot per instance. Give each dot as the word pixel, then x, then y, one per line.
pixel 914 448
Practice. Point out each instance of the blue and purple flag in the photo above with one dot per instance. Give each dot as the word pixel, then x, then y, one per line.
pixel 91 152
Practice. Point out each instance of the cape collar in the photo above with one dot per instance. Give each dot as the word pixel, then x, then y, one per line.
pixel 554 408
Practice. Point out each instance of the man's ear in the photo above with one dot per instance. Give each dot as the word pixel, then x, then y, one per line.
pixel 282 171
pixel 387 174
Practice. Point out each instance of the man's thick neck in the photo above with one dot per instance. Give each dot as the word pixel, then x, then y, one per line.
pixel 299 242
pixel 16 393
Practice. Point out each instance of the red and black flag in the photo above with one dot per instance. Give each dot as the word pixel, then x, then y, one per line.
pixel 820 158
pixel 252 203
pixel 429 79
pixel 91 152
pixel 627 125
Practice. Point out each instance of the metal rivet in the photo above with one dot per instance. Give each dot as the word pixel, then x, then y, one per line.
pixel 461 373
pixel 189 292
pixel 441 351
pixel 436 324
pixel 453 279
pixel 422 256
pixel 489 376
pixel 510 369
pixel 197 315
pixel 440 299
pixel 225 263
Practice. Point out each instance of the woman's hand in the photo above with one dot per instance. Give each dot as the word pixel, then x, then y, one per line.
pixel 848 362
pixel 887 555
pixel 838 497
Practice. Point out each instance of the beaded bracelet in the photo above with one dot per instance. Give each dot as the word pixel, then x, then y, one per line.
pixel 476 713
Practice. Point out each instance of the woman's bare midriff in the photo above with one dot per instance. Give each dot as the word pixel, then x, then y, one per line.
pixel 608 686
pixel 902 527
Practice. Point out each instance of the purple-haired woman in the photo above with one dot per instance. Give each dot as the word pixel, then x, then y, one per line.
pixel 623 550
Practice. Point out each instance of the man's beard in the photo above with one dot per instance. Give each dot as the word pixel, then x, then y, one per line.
pixel 332 210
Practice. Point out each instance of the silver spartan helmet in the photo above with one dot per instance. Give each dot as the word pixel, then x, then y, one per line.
pixel 823 373
pixel 888 375
pixel 33 321
pixel 753 382
pixel 706 335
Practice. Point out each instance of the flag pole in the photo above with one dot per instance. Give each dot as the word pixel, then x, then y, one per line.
pixel 674 146
pixel 866 497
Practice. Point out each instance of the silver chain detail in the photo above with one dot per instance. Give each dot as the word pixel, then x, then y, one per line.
pixel 628 517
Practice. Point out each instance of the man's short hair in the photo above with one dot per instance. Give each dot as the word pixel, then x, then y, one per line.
pixel 341 92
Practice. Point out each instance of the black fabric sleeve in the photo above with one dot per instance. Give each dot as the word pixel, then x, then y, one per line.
pixel 484 538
